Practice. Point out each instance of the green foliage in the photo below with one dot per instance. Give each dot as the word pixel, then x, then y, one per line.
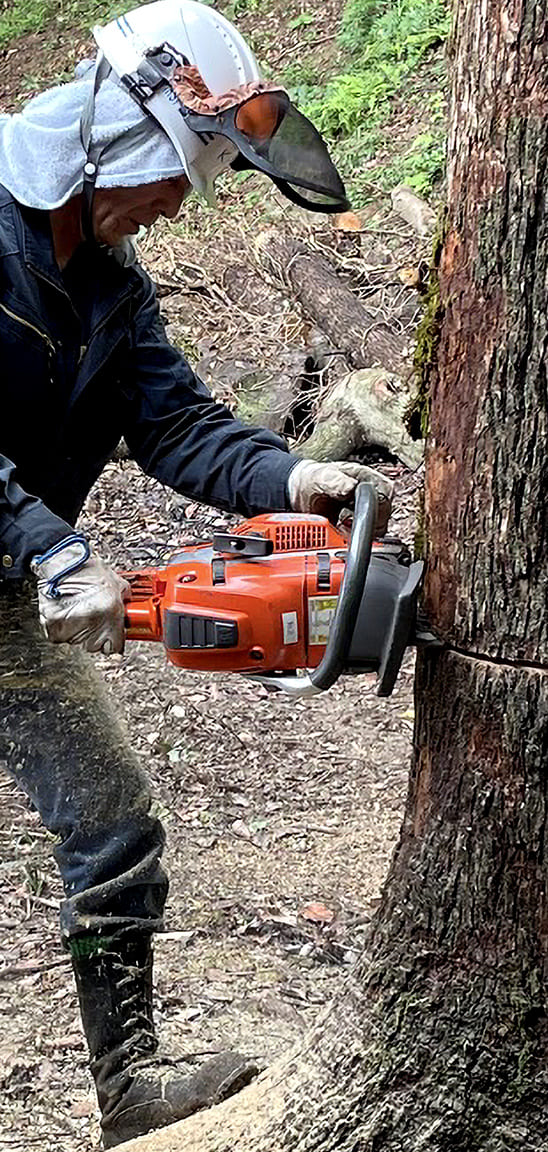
pixel 237 8
pixel 357 22
pixel 302 75
pixel 388 41
pixel 302 20
pixel 24 16
pixel 347 101
pixel 420 167
pixel 394 30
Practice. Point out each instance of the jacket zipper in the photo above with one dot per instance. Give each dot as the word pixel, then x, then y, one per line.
pixel 27 324
pixel 105 320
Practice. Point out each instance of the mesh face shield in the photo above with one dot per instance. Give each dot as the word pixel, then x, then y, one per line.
pixel 271 136
pixel 252 126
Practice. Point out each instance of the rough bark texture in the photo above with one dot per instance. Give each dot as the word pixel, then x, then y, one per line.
pixel 439 1042
pixel 488 464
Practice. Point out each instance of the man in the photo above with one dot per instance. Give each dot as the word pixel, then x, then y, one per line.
pixel 173 99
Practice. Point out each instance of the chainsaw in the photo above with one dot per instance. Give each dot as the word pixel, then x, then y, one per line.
pixel 286 599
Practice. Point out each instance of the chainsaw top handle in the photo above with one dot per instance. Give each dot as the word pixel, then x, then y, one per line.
pixel 350 596
pixel 353 584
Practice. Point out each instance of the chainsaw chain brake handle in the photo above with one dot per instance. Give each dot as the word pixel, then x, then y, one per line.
pixel 350 597
pixel 375 619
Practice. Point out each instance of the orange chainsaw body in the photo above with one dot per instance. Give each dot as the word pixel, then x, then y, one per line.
pixel 220 609
pixel 287 599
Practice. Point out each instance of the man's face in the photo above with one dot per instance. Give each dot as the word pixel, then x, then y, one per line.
pixel 119 212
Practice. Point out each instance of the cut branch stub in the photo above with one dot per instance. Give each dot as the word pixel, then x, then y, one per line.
pixel 362 410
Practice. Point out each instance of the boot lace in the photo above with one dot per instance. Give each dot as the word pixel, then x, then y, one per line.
pixel 135 1011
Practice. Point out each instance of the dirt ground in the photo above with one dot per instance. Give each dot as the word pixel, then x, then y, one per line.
pixel 281 816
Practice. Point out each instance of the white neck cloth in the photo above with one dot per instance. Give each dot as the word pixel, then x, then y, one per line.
pixel 41 154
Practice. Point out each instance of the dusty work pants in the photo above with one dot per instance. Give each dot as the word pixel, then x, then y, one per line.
pixel 60 740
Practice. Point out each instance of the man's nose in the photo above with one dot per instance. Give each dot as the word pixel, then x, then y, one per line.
pixel 175 193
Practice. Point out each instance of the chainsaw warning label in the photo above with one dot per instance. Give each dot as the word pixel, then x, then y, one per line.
pixel 290 627
pixel 321 611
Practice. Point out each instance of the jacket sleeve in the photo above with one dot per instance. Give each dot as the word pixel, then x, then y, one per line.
pixel 27 527
pixel 180 435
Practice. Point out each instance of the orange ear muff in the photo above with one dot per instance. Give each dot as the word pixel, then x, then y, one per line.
pixel 259 117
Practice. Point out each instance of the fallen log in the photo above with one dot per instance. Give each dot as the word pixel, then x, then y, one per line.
pixel 277 387
pixel 363 336
pixel 364 409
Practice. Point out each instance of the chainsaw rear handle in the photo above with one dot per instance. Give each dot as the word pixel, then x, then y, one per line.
pixel 350 597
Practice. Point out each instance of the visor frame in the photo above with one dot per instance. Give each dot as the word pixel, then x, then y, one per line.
pixel 223 123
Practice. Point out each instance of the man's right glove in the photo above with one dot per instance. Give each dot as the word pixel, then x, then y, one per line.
pixel 80 599
pixel 325 488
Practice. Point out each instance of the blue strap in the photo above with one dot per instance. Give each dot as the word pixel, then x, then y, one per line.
pixel 52 590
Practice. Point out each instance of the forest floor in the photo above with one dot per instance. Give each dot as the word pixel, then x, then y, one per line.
pixel 281 816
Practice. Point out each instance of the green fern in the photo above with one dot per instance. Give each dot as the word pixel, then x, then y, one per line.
pixel 349 100
pixel 399 30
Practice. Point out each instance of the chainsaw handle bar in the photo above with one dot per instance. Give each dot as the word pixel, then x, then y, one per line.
pixel 350 597
pixel 353 584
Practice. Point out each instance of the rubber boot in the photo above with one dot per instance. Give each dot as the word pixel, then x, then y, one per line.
pixel 137 1090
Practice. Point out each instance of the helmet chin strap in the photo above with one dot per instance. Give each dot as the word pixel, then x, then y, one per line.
pixel 93 152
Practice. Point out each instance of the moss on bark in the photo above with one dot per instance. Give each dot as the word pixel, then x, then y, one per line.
pixel 417 414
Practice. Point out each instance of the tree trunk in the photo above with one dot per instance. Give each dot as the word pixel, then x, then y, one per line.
pixel 439 1041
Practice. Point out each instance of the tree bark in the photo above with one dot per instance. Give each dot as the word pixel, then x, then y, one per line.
pixel 439 1041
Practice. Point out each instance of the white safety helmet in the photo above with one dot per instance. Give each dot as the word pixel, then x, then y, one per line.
pixel 188 67
pixel 209 42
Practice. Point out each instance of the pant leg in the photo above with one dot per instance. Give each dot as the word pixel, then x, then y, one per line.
pixel 60 740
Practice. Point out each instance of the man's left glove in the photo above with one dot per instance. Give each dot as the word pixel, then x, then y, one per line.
pixel 325 489
pixel 80 599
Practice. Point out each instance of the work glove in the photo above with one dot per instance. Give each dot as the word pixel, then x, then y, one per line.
pixel 80 599
pixel 324 489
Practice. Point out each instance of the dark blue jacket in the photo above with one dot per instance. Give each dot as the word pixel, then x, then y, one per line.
pixel 84 360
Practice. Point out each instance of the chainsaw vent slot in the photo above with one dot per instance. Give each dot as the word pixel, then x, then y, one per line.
pixel 142 586
pixel 296 537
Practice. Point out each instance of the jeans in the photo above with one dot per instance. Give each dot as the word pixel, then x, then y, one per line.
pixel 60 740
